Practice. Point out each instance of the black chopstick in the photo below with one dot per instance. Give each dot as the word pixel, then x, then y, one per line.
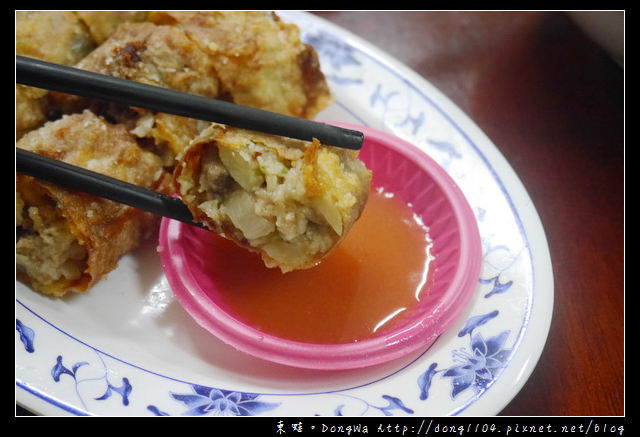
pixel 80 179
pixel 75 81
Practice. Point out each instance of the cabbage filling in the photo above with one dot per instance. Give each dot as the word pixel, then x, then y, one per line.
pixel 265 198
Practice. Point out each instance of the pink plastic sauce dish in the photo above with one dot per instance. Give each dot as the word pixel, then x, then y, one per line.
pixel 434 198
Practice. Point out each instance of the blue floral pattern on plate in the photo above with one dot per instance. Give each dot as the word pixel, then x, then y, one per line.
pixel 464 363
pixel 476 368
pixel 26 335
pixel 60 369
pixel 212 401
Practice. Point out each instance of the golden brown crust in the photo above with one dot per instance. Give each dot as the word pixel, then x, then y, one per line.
pixel 53 36
pixel 61 37
pixel 260 60
pixel 156 55
pixel 101 24
pixel 250 58
pixel 31 108
pixel 106 229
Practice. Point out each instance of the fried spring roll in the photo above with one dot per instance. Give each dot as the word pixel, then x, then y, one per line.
pixel 290 201
pixel 162 56
pixel 249 58
pixel 54 36
pixel 259 59
pixel 101 24
pixel 61 37
pixel 66 240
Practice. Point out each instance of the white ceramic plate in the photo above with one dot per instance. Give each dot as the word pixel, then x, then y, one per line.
pixel 128 348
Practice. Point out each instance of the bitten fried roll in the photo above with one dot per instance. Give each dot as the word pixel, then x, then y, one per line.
pixel 291 201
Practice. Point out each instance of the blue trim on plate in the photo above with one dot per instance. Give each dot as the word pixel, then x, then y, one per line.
pixel 53 401
pixel 507 197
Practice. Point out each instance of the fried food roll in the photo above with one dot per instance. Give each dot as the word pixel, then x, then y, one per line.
pixel 61 37
pixel 156 55
pixel 259 59
pixel 162 56
pixel 66 240
pixel 31 108
pixel 249 58
pixel 291 201
pixel 53 36
pixel 101 24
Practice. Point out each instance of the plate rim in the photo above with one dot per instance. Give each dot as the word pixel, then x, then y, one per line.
pixel 538 247
pixel 530 223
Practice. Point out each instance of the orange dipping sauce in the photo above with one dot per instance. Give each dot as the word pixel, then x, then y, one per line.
pixel 365 286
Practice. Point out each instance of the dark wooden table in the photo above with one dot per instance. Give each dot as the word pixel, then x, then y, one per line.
pixel 552 102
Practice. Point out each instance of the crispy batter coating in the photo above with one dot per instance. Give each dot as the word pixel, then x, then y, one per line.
pixel 61 37
pixel 162 56
pixel 250 58
pixel 260 60
pixel 69 240
pixel 156 55
pixel 291 201
pixel 53 36
pixel 31 108
pixel 101 24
